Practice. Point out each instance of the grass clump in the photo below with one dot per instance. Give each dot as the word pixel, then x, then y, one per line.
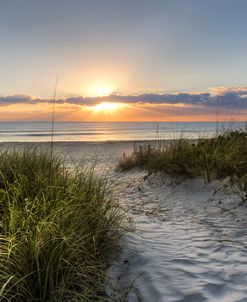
pixel 223 155
pixel 57 230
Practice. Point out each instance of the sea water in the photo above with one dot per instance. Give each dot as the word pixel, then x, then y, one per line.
pixel 109 131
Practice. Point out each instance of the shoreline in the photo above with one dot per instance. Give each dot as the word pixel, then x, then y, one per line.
pixel 108 142
pixel 84 142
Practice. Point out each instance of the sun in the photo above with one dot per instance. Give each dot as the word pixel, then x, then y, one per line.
pixel 100 90
pixel 107 107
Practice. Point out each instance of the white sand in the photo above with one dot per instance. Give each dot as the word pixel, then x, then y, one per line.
pixel 189 245
pixel 190 242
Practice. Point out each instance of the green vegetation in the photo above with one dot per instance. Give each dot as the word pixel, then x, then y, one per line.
pixel 223 155
pixel 57 230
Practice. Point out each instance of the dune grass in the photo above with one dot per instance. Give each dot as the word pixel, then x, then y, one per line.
pixel 223 155
pixel 57 230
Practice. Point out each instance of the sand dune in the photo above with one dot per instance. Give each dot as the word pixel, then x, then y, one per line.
pixel 190 239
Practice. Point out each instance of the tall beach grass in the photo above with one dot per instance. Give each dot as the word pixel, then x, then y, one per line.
pixel 57 230
pixel 224 154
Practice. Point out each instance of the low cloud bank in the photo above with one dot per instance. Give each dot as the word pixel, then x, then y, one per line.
pixel 235 97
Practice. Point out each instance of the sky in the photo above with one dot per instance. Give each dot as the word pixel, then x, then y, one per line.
pixel 145 60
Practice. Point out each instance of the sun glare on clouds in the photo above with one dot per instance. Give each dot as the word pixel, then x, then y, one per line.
pixel 107 107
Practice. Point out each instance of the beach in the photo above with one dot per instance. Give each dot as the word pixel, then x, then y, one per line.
pixel 123 151
pixel 189 242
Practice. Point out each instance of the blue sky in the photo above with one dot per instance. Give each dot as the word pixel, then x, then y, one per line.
pixel 102 47
pixel 139 45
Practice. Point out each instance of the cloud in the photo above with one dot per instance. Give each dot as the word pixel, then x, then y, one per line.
pixel 19 99
pixel 179 98
pixel 228 97
pixel 224 90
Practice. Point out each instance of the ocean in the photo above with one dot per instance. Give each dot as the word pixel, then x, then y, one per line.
pixel 103 131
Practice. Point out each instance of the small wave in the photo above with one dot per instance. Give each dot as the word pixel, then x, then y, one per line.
pixel 59 134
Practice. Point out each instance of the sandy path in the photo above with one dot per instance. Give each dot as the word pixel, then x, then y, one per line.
pixel 189 244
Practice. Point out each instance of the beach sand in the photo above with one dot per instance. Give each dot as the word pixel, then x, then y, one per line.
pixel 190 242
